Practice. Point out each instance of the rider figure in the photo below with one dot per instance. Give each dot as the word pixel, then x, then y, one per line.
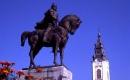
pixel 50 20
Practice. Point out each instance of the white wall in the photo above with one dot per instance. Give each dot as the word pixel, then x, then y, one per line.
pixel 104 67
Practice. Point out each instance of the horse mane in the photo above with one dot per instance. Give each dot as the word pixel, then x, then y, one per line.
pixel 67 18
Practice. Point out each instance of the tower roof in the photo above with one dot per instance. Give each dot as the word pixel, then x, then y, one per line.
pixel 99 50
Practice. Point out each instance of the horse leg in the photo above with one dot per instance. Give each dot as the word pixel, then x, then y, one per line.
pixel 55 48
pixel 61 48
pixel 36 50
pixel 31 57
pixel 61 55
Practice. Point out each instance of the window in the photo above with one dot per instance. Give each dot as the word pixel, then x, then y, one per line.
pixel 98 74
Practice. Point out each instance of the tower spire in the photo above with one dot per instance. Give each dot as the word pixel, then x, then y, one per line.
pixel 99 50
pixel 100 63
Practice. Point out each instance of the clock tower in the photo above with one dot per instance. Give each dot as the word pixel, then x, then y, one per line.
pixel 100 63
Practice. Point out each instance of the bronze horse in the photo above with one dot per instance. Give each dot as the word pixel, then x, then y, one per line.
pixel 57 38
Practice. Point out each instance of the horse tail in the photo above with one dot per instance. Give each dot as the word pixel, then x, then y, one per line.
pixel 24 36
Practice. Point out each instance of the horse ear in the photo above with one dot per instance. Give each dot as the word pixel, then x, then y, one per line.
pixel 80 21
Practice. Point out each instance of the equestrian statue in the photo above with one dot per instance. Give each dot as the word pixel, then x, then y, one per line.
pixel 51 33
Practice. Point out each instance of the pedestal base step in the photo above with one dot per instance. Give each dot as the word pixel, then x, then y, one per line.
pixel 47 73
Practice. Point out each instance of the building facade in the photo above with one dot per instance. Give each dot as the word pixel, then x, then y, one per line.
pixel 100 63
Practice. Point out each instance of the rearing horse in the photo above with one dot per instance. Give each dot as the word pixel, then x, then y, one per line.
pixel 56 38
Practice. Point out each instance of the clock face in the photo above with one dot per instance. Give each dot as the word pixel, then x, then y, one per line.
pixel 98 74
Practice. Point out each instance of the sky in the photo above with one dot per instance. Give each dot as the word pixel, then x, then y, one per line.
pixel 110 17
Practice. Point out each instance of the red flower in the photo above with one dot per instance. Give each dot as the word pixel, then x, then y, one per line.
pixel 1 62
pixel 6 63
pixel 29 77
pixel 39 69
pixel 5 71
pixel 20 73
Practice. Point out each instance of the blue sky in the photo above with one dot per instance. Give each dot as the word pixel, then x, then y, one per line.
pixel 112 17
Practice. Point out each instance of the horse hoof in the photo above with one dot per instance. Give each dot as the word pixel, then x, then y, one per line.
pixel 22 44
pixel 62 64
pixel 55 64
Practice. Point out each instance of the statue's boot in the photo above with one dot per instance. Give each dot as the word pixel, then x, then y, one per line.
pixel 45 35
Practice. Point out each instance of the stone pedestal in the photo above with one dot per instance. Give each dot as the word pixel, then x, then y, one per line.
pixel 48 73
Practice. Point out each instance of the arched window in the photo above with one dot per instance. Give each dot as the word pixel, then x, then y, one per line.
pixel 98 74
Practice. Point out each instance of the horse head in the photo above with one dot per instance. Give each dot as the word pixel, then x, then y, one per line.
pixel 71 23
